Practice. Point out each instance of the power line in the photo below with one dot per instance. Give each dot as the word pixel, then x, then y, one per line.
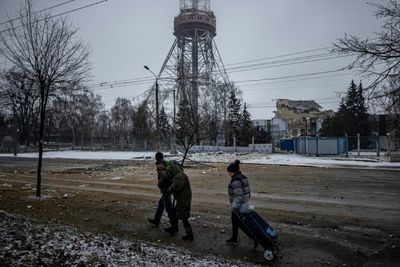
pixel 274 80
pixel 285 55
pixel 292 76
pixel 262 81
pixel 291 87
pixel 148 80
pixel 57 15
pixel 61 4
pixel 128 82
pixel 275 64
pixel 268 62
pixel 296 80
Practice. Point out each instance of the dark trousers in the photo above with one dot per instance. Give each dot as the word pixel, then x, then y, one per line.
pixel 236 224
pixel 166 203
pixel 187 226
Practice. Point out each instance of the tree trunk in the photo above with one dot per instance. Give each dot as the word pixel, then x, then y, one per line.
pixel 82 142
pixel 34 132
pixel 41 133
pixel 73 137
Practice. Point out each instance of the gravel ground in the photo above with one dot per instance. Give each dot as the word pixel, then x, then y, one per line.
pixel 29 242
pixel 324 216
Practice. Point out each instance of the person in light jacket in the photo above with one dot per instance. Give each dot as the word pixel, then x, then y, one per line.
pixel 239 197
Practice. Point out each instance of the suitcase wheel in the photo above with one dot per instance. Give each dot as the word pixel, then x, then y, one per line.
pixel 268 255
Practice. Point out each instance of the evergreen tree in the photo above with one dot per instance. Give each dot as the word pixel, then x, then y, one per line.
pixel 142 123
pixel 246 130
pixel 261 136
pixel 361 116
pixel 164 125
pixel 211 130
pixel 234 117
pixel 352 116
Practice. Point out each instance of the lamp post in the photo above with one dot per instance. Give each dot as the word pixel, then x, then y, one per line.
pixel 173 147
pixel 157 111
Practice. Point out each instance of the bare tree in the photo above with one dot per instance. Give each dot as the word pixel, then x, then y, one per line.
pixel 122 117
pixel 389 99
pixel 46 48
pixel 19 95
pixel 142 119
pixel 103 125
pixel 83 110
pixel 191 126
pixel 378 57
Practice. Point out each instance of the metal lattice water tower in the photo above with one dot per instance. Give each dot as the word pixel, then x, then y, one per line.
pixel 193 67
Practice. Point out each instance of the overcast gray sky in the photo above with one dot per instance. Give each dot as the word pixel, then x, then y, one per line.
pixel 124 35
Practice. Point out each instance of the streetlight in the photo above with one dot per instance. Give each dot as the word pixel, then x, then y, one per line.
pixel 157 111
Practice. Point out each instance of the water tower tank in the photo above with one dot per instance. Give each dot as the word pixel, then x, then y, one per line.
pixel 199 5
pixel 195 14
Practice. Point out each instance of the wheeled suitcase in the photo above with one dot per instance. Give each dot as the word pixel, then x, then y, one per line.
pixel 261 232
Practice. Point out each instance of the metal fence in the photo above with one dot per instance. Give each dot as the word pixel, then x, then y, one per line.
pixel 304 145
pixel 373 143
pixel 356 145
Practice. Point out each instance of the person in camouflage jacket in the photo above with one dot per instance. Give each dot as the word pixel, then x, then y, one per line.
pixel 182 192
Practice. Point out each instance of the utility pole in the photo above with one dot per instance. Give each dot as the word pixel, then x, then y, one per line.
pixel 157 119
pixel 173 147
pixel 157 111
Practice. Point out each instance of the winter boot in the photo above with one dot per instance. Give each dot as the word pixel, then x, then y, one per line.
pixel 154 222
pixel 232 241
pixel 189 232
pixel 188 237
pixel 171 230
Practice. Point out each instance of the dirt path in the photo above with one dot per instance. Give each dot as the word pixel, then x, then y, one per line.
pixel 324 216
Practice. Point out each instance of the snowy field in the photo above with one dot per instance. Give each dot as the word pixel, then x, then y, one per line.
pixel 28 242
pixel 366 161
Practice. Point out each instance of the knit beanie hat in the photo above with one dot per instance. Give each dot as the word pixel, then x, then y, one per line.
pixel 234 167
pixel 159 156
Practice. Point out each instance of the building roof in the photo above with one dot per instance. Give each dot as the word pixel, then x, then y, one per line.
pixel 300 105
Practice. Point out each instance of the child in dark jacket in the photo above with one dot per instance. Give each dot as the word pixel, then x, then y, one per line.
pixel 164 182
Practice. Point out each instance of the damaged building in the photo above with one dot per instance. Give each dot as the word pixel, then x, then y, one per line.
pixel 302 117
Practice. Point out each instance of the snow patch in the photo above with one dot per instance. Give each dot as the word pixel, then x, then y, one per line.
pixel 29 242
pixel 221 157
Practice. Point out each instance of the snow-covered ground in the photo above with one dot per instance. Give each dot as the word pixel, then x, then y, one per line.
pixel 28 242
pixel 366 161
